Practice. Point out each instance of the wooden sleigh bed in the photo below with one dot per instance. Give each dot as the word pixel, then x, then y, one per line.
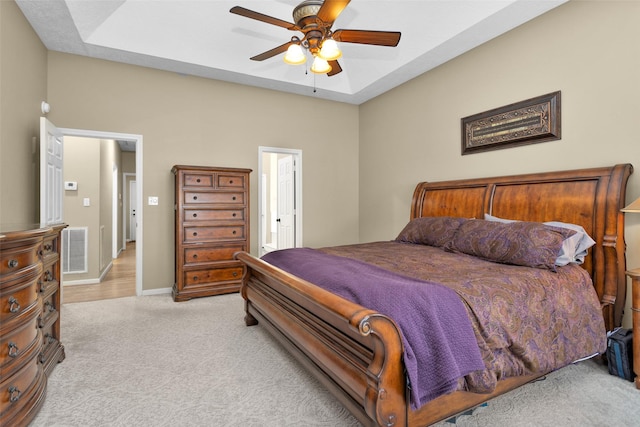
pixel 357 353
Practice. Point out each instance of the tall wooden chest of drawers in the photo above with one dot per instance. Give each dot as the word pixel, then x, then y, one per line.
pixel 29 319
pixel 211 224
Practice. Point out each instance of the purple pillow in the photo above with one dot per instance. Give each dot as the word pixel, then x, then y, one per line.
pixel 530 244
pixel 433 231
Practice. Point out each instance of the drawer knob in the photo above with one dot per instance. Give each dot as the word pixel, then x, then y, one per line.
pixel 14 394
pixel 13 263
pixel 195 256
pixel 195 215
pixel 13 349
pixel 233 232
pixel 235 274
pixel 14 305
pixel 195 278
pixel 233 215
pixel 230 181
pixel 195 197
pixel 198 180
pixel 48 247
pixel 195 233
pixel 233 198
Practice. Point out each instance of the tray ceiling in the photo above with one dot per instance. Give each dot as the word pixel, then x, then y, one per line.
pixel 202 38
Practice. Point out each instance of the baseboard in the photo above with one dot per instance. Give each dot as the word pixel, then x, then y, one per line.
pixel 97 281
pixel 159 291
pixel 81 282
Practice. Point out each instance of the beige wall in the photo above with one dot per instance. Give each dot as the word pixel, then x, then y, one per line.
pixel 109 159
pixel 128 162
pixel 587 50
pixel 195 121
pixel 82 165
pixel 23 86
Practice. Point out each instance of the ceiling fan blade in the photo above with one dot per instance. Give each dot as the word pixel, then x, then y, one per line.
pixel 335 68
pixel 379 38
pixel 330 10
pixel 262 17
pixel 273 52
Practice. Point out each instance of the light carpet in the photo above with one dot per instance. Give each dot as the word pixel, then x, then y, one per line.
pixel 149 361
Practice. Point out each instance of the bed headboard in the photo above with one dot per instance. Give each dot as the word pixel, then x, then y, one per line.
pixel 591 198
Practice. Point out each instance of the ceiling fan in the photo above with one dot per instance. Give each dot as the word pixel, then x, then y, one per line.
pixel 314 18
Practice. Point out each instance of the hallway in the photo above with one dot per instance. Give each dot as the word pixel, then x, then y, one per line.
pixel 119 282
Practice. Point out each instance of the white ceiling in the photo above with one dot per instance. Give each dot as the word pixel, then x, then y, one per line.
pixel 201 38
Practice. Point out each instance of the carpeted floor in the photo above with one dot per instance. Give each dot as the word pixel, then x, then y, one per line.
pixel 149 361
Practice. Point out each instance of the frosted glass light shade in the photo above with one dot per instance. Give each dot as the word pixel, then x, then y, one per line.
pixel 329 50
pixel 320 66
pixel 295 55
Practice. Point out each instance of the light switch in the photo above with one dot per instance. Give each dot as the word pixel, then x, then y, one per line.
pixel 153 200
pixel 86 202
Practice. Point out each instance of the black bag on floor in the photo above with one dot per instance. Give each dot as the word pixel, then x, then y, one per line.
pixel 620 354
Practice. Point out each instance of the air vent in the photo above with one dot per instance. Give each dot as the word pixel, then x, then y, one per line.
pixel 74 250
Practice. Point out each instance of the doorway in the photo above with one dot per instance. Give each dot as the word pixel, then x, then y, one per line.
pixel 279 199
pixel 136 142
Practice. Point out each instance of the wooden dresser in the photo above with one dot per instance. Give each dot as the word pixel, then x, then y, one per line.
pixel 211 224
pixel 30 344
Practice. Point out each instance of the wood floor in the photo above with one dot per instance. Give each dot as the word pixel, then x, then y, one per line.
pixel 119 282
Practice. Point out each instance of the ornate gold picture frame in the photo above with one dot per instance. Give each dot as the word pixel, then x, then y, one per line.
pixel 526 122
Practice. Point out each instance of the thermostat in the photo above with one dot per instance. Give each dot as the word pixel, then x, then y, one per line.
pixel 71 185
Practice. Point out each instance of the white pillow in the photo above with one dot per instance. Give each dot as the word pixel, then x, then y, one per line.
pixel 574 248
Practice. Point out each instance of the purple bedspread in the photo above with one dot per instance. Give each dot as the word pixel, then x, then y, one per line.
pixel 439 342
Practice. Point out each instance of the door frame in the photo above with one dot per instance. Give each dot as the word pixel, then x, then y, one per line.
pixel 137 140
pixel 297 223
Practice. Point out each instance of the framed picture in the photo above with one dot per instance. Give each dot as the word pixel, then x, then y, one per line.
pixel 526 122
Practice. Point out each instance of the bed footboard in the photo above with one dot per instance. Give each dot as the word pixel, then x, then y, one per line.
pixel 355 352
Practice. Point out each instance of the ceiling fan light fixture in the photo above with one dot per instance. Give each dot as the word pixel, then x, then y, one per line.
pixel 295 55
pixel 315 19
pixel 329 50
pixel 320 66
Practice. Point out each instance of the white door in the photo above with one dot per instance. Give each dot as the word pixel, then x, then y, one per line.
pixel 279 197
pixel 285 217
pixel 51 173
pixel 133 196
